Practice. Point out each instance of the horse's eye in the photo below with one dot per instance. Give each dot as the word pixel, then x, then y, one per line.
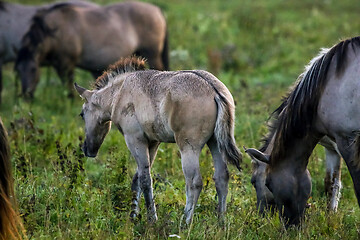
pixel 81 115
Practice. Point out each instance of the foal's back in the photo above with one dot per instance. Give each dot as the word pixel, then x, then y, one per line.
pixel 170 104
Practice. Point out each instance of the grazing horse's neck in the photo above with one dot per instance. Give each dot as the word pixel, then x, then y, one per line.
pixel 297 153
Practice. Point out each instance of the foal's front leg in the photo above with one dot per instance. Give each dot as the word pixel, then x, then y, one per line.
pixel 135 187
pixel 139 149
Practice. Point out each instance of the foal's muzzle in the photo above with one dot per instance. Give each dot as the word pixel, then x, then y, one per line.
pixel 88 152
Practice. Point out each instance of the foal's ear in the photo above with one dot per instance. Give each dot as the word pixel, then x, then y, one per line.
pixel 257 155
pixel 84 93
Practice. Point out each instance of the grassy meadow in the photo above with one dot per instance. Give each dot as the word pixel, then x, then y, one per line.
pixel 257 48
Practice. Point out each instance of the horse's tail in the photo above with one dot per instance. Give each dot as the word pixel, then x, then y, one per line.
pixel 224 130
pixel 10 223
pixel 165 52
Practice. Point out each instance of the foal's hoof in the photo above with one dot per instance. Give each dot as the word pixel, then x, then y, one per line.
pixel 135 217
pixel 152 219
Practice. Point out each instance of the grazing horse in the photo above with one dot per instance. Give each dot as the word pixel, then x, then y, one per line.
pixel 265 199
pixel 189 108
pixel 12 29
pixel 324 102
pixel 91 37
pixel 10 223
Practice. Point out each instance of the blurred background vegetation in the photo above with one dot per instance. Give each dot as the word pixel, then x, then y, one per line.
pixel 257 48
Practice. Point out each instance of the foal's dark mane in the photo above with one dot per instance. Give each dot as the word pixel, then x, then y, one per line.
pixel 124 65
pixel 293 119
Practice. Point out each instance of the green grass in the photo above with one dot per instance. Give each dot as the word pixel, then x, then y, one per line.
pixel 260 48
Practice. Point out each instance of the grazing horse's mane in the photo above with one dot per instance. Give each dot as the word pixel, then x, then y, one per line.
pixel 124 65
pixel 294 117
pixel 38 31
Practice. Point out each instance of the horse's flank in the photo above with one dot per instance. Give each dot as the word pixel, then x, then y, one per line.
pixel 294 118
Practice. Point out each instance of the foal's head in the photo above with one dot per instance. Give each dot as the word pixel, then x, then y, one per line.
pixel 97 122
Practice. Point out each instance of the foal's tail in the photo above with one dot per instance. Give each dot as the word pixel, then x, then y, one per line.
pixel 10 223
pixel 224 130
pixel 165 52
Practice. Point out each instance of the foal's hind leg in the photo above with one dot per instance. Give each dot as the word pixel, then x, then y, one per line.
pixel 333 178
pixel 221 175
pixel 139 149
pixel 191 169
pixel 135 187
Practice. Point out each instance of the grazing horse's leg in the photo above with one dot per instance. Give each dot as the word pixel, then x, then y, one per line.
pixel 135 187
pixel 96 73
pixel 66 75
pixel 347 150
pixel 332 178
pixel 190 165
pixel 153 58
pixel 221 175
pixel 139 149
pixel 155 62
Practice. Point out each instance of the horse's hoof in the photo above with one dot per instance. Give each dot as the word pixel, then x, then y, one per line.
pixel 135 217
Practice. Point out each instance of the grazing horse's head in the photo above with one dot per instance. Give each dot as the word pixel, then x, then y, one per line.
pixel 290 187
pixel 28 70
pixel 97 123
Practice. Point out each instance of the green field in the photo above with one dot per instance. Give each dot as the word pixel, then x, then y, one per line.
pixel 257 48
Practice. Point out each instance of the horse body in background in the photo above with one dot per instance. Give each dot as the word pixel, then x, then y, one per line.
pixel 91 37
pixel 10 223
pixel 324 102
pixel 15 21
pixel 191 108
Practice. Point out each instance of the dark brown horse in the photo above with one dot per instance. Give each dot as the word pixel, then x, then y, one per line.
pixel 324 102
pixel 91 37
pixel 12 29
pixel 10 223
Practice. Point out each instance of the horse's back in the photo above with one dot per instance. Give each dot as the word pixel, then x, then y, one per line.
pixel 170 104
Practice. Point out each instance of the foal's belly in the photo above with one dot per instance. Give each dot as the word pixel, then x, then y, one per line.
pixel 158 131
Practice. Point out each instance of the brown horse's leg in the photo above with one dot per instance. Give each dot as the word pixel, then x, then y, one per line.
pixel 153 58
pixel 66 74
